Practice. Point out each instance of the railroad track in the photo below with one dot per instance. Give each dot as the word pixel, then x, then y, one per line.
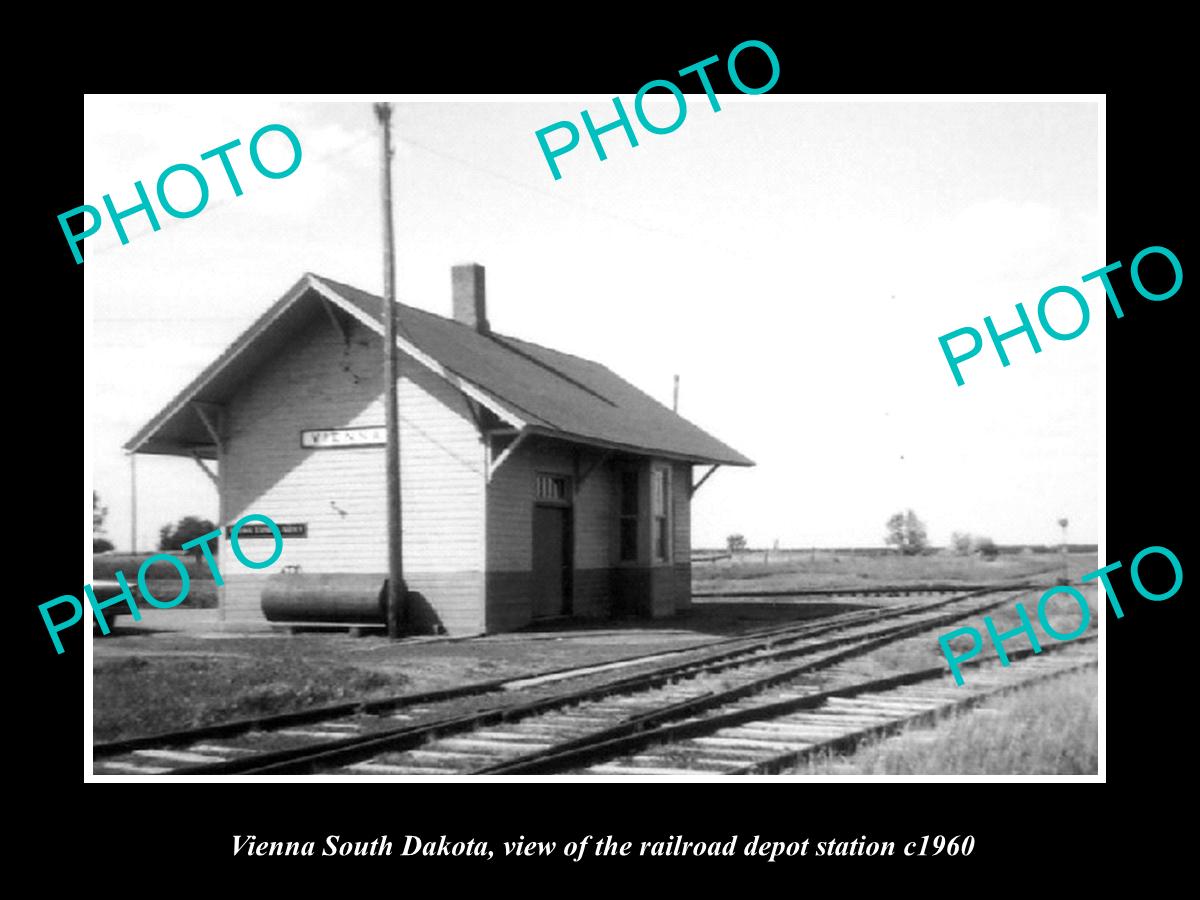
pixel 903 591
pixel 167 751
pixel 406 735
pixel 780 729
pixel 858 591
pixel 712 732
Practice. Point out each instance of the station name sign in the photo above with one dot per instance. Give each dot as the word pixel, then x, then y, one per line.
pixel 287 530
pixel 344 437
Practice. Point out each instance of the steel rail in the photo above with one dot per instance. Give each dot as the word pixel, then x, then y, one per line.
pixel 848 742
pixel 800 630
pixel 340 751
pixel 623 742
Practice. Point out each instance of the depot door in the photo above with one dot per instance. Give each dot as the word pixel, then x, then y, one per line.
pixel 551 560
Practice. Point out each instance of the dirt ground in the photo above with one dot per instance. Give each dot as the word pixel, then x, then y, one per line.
pixel 147 680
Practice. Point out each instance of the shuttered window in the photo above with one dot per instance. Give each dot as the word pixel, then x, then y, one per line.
pixel 550 488
pixel 629 516
pixel 660 512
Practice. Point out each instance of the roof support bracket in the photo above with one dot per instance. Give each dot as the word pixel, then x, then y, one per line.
pixel 213 417
pixel 333 317
pixel 206 470
pixel 410 349
pixel 476 413
pixel 581 477
pixel 505 454
pixel 707 475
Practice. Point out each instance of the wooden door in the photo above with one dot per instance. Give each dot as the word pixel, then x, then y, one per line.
pixel 551 560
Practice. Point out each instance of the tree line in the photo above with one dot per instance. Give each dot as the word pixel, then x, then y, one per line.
pixel 171 536
pixel 909 536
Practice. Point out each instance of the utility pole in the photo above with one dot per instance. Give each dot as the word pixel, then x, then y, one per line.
pixel 1066 574
pixel 133 503
pixel 395 584
pixel 675 403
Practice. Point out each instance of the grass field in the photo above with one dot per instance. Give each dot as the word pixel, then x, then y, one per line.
pixel 143 694
pixel 765 571
pixel 1049 729
pixel 162 581
pixel 924 652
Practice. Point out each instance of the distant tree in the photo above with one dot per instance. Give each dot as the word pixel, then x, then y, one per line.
pixel 961 542
pixel 99 514
pixel 173 537
pixel 987 548
pixel 736 542
pixel 907 533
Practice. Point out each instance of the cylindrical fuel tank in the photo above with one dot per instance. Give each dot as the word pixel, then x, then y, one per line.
pixel 342 598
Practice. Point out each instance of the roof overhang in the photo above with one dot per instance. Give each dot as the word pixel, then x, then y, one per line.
pixel 191 424
pixel 637 451
pixel 179 429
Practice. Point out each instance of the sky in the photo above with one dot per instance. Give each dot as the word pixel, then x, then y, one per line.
pixel 793 260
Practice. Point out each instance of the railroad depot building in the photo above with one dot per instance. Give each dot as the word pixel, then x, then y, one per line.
pixel 533 483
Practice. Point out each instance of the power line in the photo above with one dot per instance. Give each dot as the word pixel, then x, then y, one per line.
pixel 540 192
pixel 499 176
pixel 227 201
pixel 173 320
pixel 602 213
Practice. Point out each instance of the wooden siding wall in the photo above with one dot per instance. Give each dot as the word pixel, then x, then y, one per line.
pixel 601 585
pixel 595 550
pixel 323 383
pixel 510 531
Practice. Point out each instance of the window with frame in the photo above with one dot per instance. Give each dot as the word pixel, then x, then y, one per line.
pixel 629 516
pixel 660 512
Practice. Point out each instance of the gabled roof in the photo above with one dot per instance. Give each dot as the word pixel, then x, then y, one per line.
pixel 534 388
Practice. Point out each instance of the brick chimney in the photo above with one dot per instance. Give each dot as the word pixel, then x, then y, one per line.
pixel 470 302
